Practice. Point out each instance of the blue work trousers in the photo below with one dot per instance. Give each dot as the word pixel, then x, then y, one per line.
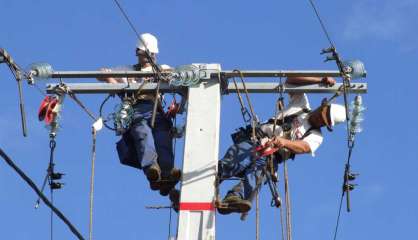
pixel 240 161
pixel 151 145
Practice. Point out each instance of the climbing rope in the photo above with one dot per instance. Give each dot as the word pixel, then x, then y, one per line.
pixel 282 223
pixel 249 118
pixel 286 188
pixel 254 124
pixel 279 114
pixel 280 117
pixel 288 203
pixel 257 216
pixel 244 111
pixel 93 159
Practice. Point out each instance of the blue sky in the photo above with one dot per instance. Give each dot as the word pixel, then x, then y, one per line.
pixel 86 35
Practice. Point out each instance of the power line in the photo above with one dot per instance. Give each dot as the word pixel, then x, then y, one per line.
pixel 155 68
pixel 127 19
pixel 338 217
pixel 29 181
pixel 322 23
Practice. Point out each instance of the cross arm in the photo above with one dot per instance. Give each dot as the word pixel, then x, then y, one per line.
pixel 252 87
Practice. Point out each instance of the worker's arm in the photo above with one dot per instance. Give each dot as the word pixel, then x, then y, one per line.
pixel 109 79
pixel 329 81
pixel 295 146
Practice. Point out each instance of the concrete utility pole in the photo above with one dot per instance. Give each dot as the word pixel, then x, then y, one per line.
pixel 198 188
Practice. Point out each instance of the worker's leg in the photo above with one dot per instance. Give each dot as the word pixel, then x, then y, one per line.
pixel 235 161
pixel 250 182
pixel 250 177
pixel 163 144
pixel 143 139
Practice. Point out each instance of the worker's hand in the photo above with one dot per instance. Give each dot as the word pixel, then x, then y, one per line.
pixel 109 79
pixel 105 69
pixel 278 142
pixel 328 81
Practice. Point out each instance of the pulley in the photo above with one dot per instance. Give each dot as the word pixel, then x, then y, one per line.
pixel 48 109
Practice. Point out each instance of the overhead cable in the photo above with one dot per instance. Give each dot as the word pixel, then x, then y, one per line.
pixel 9 161
pixel 322 24
pixel 155 68
pixel 93 160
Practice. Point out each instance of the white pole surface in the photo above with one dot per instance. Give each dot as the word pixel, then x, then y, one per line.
pixel 197 209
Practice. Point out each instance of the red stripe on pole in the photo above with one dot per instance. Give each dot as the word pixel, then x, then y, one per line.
pixel 197 206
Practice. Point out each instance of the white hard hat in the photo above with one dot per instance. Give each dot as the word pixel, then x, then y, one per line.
pixel 148 41
pixel 337 114
pixel 165 67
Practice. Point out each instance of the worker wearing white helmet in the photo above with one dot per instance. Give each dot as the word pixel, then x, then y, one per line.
pixel 141 146
pixel 149 42
pixel 298 131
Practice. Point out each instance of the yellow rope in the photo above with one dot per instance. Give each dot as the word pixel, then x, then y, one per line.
pixel 92 183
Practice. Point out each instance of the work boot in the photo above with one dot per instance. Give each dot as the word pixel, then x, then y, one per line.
pixel 174 197
pixel 155 185
pixel 234 203
pixel 168 183
pixel 153 173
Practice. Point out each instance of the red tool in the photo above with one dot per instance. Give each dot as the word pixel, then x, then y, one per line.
pixel 173 109
pixel 265 150
pixel 46 109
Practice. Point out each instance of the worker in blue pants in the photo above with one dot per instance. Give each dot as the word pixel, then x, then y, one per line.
pixel 142 146
pixel 297 120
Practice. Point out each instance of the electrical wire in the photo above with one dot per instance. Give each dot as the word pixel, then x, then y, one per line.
pixel 336 58
pixel 155 68
pixel 338 217
pixel 322 24
pixel 127 19
pixel 52 215
pixel 169 223
pixel 350 143
pixel 93 160
pixel 343 191
pixel 73 96
pixel 101 113
pixel 52 145
pixel 31 184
